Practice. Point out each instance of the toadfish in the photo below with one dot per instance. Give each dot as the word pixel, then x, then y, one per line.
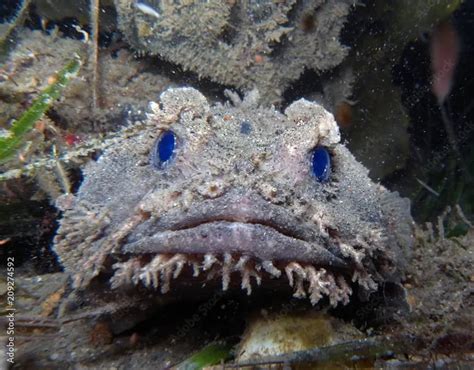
pixel 232 196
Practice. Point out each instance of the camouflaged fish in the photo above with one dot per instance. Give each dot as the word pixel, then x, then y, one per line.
pixel 233 196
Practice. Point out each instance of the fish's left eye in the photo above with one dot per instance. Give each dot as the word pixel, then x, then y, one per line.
pixel 321 164
pixel 163 149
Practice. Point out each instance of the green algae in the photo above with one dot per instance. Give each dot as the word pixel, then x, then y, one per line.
pixel 15 136
pixel 212 354
pixel 7 29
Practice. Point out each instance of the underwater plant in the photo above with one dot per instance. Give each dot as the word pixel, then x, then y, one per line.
pixel 15 136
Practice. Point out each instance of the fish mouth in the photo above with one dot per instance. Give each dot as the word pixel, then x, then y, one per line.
pixel 235 234
pixel 253 239
pixel 241 223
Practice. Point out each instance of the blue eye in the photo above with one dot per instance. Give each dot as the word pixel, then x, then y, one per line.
pixel 321 164
pixel 164 149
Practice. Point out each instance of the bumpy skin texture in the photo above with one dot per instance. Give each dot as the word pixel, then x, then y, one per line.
pixel 246 44
pixel 237 203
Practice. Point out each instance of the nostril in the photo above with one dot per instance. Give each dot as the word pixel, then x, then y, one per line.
pixel 269 192
pixel 213 189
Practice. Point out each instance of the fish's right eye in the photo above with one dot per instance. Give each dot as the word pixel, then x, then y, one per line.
pixel 164 150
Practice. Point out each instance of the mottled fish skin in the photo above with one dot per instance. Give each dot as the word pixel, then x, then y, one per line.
pixel 237 201
pixel 240 44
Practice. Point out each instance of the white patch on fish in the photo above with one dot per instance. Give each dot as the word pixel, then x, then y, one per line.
pixel 147 9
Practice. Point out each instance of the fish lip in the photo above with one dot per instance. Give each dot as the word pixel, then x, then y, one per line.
pixel 258 241
pixel 235 206
pixel 239 222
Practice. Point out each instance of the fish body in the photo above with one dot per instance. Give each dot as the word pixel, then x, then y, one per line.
pixel 233 197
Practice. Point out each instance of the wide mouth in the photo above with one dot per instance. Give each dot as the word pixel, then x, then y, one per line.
pixel 252 239
pixel 242 235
